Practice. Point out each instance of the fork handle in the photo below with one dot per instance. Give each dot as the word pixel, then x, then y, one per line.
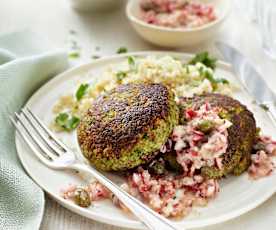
pixel 150 218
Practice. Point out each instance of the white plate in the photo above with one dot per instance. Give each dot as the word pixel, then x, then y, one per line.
pixel 238 194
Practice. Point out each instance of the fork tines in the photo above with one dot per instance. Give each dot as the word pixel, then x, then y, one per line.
pixel 37 136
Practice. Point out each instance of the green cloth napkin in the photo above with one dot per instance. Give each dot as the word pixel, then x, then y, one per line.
pixel 25 65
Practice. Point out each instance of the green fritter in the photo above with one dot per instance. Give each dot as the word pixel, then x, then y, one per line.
pixel 127 126
pixel 241 134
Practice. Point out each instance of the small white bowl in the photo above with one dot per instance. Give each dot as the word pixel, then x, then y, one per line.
pixel 177 37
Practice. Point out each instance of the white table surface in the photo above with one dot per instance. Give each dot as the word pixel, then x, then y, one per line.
pixel 54 18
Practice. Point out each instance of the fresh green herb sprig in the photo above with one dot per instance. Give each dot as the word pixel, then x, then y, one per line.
pixel 67 122
pixel 222 80
pixel 74 54
pixel 205 59
pixel 82 90
pixel 214 81
pixel 264 107
pixel 121 75
pixel 131 63
pixel 95 57
pixel 122 50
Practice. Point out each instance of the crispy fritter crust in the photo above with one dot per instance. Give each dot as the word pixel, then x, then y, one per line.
pixel 115 122
pixel 241 134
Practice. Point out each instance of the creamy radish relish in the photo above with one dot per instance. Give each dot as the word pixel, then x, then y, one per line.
pixel 202 140
pixel 171 195
pixel 176 13
pixel 91 192
pixel 262 164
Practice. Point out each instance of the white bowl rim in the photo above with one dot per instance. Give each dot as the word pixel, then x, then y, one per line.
pixel 135 19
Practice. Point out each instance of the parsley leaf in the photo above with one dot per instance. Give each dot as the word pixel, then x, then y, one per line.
pixel 122 50
pixel 264 107
pixel 205 59
pixel 222 80
pixel 131 62
pixel 186 68
pixel 73 123
pixel 81 91
pixel 95 57
pixel 74 54
pixel 121 75
pixel 62 119
pixel 66 122
pixel 214 81
pixel 210 77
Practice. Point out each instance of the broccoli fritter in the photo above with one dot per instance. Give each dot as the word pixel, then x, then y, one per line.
pixel 241 134
pixel 127 126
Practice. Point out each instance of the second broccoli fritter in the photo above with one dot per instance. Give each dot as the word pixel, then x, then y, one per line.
pixel 241 134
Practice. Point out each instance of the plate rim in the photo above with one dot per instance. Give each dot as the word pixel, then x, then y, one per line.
pixel 129 223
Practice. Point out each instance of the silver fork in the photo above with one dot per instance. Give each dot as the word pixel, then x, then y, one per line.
pixel 56 155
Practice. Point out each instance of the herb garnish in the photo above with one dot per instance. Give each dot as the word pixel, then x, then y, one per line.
pixel 74 54
pixel 205 59
pixel 81 91
pixel 264 107
pixel 222 80
pixel 121 75
pixel 187 69
pixel 122 50
pixel 66 122
pixel 214 81
pixel 131 62
pixel 95 57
